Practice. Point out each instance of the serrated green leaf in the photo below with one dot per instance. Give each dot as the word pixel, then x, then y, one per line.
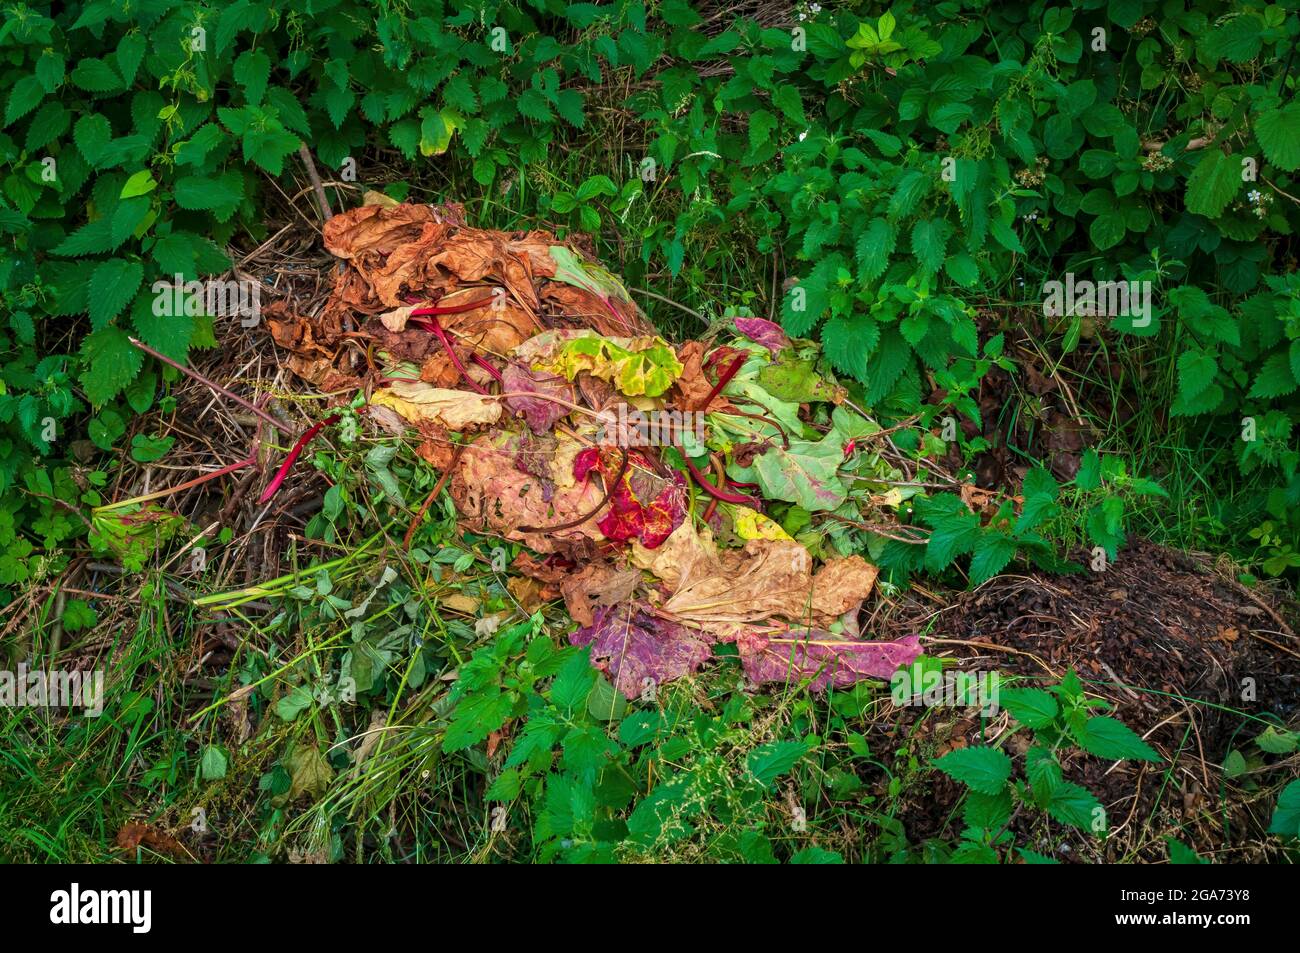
pixel 109 363
pixel 1275 378
pixel 113 284
pixel 1109 738
pixel 1032 707
pixel 982 769
pixel 1213 184
pixel 993 551
pixel 1278 132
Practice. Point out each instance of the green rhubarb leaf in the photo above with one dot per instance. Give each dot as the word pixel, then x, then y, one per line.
pixel 644 366
pixel 805 473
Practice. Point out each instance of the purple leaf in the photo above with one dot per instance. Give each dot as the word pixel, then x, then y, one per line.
pixel 764 332
pixel 540 412
pixel 631 645
pixel 791 656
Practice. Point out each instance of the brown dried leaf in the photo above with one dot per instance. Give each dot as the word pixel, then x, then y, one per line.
pixel 597 585
pixel 493 494
pixel 841 584
pixel 453 409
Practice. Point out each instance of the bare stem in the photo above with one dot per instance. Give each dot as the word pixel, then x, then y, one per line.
pixel 190 372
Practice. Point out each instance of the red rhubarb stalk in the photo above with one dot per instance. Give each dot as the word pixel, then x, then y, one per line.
pixel 725 496
pixel 481 362
pixel 441 308
pixel 273 487
pixel 725 378
pixel 432 324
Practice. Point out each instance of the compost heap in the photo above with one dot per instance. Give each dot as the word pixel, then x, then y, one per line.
pixel 676 497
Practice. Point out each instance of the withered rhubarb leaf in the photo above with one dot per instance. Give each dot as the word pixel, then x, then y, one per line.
pixel 453 409
pixel 633 646
pixel 642 505
pixel 791 656
pixel 540 411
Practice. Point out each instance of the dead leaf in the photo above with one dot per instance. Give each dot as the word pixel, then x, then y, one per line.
pixel 788 657
pixel 453 409
pixel 597 585
pixel 636 647
pixel 528 592
pixel 692 387
pixel 492 494
pixel 459 602
pixel 841 584
pixel 309 772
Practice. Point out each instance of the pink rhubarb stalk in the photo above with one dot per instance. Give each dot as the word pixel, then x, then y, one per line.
pixel 273 487
pixel 725 378
pixel 718 493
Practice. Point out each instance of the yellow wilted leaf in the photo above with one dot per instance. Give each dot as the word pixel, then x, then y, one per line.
pixel 453 409
pixel 751 524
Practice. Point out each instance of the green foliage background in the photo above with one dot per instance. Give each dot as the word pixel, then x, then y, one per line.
pixel 1104 137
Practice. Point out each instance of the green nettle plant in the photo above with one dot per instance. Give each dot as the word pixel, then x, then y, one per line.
pixel 903 162
pixel 1059 720
pixel 916 172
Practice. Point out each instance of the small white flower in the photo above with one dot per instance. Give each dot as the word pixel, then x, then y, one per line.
pixel 1253 195
pixel 815 8
pixel 803 16
pixel 803 135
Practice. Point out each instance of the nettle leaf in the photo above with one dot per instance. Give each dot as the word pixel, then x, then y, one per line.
pixel 874 248
pixel 929 242
pixel 96 76
pixel 891 358
pixel 458 93
pixel 985 770
pixel 109 363
pixel 50 122
pixel 770 761
pixel 1213 184
pixel 1076 806
pixel 113 284
pixel 807 299
pixel 1032 707
pixel 92 238
pixel 952 534
pixel 268 147
pixel 25 96
pixel 1196 372
pixel 849 340
pixel 1040 491
pixel 50 70
pixel 251 71
pixel 1275 378
pixel 992 553
pixel 128 218
pixel 220 194
pixel 171 334
pixel 1278 132
pixel 962 269
pixel 533 105
pixel 1109 738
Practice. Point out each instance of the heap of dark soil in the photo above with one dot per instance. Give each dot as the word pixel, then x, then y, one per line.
pixel 1175 646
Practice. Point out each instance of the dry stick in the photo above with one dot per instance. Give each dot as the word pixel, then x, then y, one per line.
pixel 190 372
pixel 676 304
pixel 305 154
pixel 250 461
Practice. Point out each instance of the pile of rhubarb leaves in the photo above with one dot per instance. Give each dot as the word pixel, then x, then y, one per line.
pixel 523 366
